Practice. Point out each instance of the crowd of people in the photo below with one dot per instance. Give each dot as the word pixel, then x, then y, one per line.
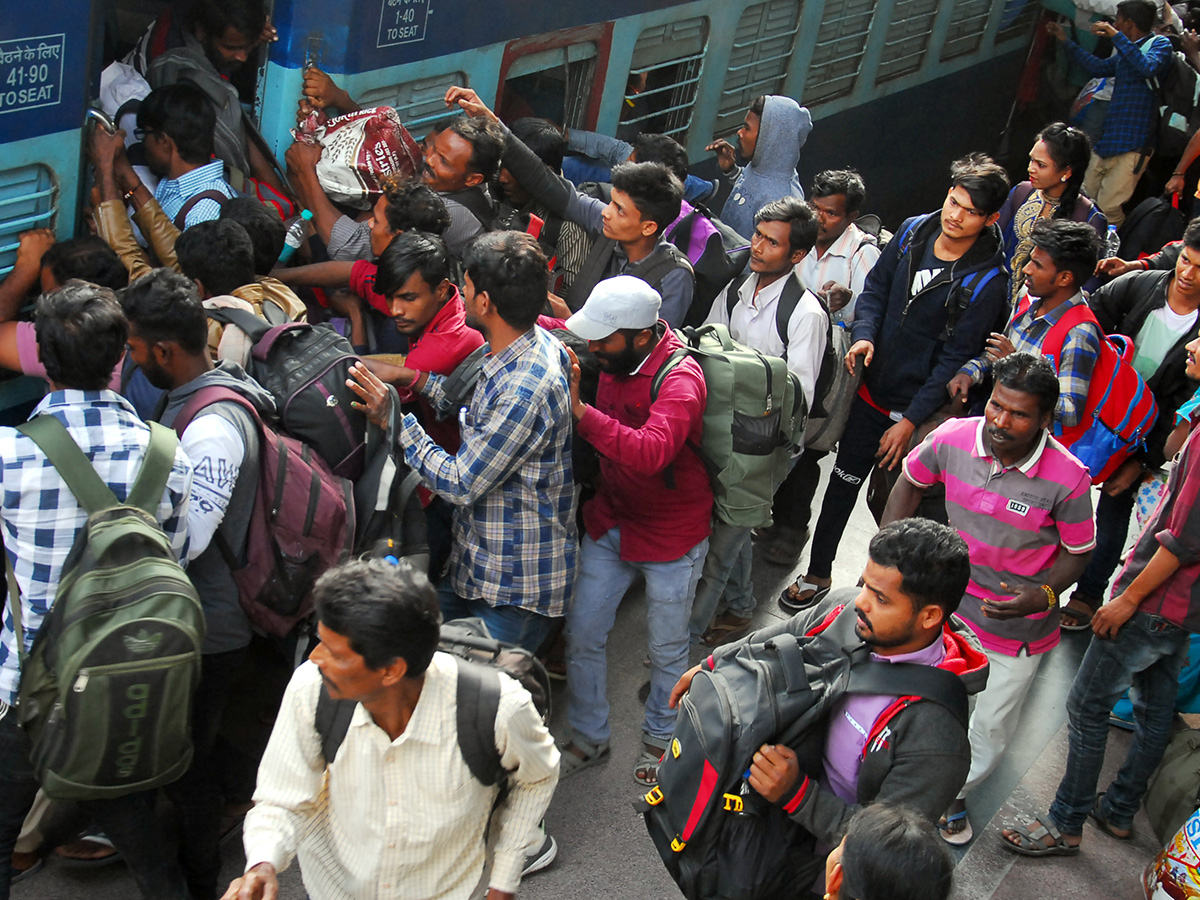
pixel 970 336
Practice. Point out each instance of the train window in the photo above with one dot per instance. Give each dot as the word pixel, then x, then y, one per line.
pixel 421 104
pixel 1016 21
pixel 907 39
pixel 762 49
pixel 838 53
pixel 661 90
pixel 27 200
pixel 967 24
pixel 553 84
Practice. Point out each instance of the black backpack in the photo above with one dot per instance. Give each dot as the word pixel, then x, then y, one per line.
pixel 1177 88
pixel 305 368
pixel 479 657
pixel 718 838
pixel 718 263
pixel 1154 223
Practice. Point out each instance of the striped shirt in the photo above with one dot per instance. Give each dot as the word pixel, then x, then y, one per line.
pixel 403 818
pixel 1175 525
pixel 41 517
pixel 511 482
pixel 1014 519
pixel 173 193
pixel 848 261
pixel 1080 350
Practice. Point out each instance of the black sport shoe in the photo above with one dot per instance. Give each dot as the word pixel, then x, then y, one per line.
pixel 542 857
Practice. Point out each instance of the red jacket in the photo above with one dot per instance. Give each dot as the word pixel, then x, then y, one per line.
pixel 662 514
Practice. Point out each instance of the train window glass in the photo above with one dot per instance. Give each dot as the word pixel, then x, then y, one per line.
pixel 907 39
pixel 967 24
pixel 762 49
pixel 552 84
pixel 838 53
pixel 661 91
pixel 421 104
pixel 27 200
pixel 1016 21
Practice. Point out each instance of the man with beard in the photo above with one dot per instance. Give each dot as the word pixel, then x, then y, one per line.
pixel 650 515
pixel 880 748
pixel 1024 505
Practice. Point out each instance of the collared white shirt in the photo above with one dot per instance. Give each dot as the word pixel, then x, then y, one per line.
pixel 753 324
pixel 403 818
pixel 847 261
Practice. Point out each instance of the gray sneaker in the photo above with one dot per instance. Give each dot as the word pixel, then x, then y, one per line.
pixel 542 857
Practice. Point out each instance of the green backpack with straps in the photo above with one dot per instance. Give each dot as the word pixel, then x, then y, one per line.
pixel 106 691
pixel 754 421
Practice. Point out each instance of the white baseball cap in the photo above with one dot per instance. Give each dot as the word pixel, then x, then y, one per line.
pixel 622 302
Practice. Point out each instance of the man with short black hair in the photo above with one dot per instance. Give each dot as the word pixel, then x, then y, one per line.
pixel 844 254
pixel 397 810
pixel 459 162
pixel 938 290
pixel 880 748
pixel 513 562
pixel 1024 504
pixel 627 232
pixel 81 336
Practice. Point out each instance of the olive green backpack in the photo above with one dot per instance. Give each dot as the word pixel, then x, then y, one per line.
pixel 106 691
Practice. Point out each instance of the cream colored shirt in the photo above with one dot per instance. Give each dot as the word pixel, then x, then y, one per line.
pixel 404 818
pixel 848 261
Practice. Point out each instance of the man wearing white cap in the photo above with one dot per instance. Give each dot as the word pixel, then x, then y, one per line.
pixel 650 514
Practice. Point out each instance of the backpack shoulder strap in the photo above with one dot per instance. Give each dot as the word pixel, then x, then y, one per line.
pixel 655 267
pixel 731 293
pixel 180 220
pixel 332 721
pixel 681 234
pixel 254 327
pixel 1052 343
pixel 152 478
pixel 789 299
pixel 906 236
pixel 206 397
pixel 904 679
pixel 668 366
pixel 478 701
pixel 70 462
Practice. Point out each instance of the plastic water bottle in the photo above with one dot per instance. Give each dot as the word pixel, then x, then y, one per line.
pixel 1112 245
pixel 295 236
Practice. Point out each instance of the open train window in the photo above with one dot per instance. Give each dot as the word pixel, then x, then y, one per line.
pixel 421 104
pixel 762 49
pixel 661 91
pixel 1017 20
pixel 28 198
pixel 557 76
pixel 967 24
pixel 838 53
pixel 907 39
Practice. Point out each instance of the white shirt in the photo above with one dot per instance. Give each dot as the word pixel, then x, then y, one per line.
pixel 216 450
pixel 847 261
pixel 753 324
pixel 403 818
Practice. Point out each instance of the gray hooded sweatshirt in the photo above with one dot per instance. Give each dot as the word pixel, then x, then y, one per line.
pixel 227 626
pixel 771 173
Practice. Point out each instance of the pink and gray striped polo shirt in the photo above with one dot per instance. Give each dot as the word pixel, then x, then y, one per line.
pixel 1015 520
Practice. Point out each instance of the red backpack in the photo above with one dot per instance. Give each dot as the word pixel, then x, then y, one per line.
pixel 1120 409
pixel 302 522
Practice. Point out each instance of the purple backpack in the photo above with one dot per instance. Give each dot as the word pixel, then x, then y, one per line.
pixel 302 522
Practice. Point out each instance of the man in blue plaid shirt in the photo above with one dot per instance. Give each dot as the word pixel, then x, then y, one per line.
pixel 1127 135
pixel 511 483
pixel 81 338
pixel 1063 258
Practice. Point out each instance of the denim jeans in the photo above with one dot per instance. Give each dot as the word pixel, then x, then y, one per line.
pixel 511 624
pixel 1147 653
pixel 1112 527
pixel 725 582
pixel 603 579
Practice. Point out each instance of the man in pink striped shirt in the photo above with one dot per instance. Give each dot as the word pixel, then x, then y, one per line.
pixel 1022 503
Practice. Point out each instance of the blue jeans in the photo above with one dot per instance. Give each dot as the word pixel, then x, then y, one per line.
pixel 603 579
pixel 725 582
pixel 511 624
pixel 1147 653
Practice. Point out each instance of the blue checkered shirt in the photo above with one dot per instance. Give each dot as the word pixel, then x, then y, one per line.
pixel 1129 122
pixel 172 193
pixel 40 517
pixel 511 483
pixel 1076 361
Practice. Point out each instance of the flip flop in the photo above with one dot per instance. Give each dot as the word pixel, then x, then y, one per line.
pixel 571 762
pixel 807 595
pixel 956 838
pixel 786 546
pixel 1104 825
pixel 1082 618
pixel 1031 843
pixel 647 762
pixel 29 871
pixel 88 850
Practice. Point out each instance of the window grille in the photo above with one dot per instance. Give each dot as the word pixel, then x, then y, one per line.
pixel 967 23
pixel 762 50
pixel 837 56
pixel 907 39
pixel 1017 20
pixel 28 199
pixel 671 57
pixel 421 104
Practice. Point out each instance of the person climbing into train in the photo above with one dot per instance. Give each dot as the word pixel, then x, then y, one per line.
pixel 770 140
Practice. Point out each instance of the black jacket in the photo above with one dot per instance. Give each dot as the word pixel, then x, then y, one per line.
pixel 1121 307
pixel 921 343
